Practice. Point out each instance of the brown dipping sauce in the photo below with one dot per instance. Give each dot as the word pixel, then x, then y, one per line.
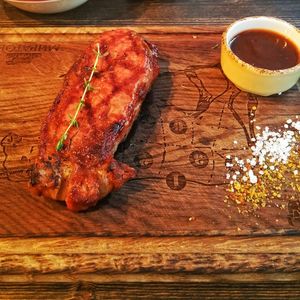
pixel 265 49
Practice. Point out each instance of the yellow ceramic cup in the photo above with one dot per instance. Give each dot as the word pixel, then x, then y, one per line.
pixel 252 79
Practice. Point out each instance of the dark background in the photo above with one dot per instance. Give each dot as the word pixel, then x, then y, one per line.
pixel 154 12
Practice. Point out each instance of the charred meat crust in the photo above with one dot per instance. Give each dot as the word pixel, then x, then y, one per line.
pixel 85 170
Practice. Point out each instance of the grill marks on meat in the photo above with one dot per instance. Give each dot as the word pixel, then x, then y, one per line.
pixel 84 171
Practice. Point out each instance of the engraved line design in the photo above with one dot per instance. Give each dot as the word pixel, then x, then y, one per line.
pixel 164 143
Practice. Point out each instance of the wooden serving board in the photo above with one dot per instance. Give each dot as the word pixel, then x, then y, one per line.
pixel 173 216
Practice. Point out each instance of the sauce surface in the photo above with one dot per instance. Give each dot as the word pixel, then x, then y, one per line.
pixel 265 49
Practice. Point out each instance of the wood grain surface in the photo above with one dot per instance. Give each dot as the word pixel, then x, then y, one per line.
pixel 154 12
pixel 188 124
pixel 169 255
pixel 157 290
pixel 172 219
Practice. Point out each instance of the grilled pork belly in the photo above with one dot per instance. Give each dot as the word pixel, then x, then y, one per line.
pixel 83 171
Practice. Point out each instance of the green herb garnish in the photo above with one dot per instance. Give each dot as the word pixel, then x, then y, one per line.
pixel 87 88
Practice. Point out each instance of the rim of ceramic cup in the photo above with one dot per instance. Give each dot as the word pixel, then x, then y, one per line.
pixel 34 2
pixel 228 36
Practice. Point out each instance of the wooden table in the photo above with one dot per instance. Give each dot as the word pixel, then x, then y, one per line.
pixel 137 245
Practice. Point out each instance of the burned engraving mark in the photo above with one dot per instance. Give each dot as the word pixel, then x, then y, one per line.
pixel 294 213
pixel 176 181
pixel 17 154
pixel 204 119
pixel 25 53
pixel 164 144
pixel 251 106
pixel 178 126
pixel 20 58
pixel 205 98
pixel 198 159
pixel 200 134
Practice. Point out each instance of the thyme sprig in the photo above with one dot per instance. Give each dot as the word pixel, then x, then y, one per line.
pixel 87 88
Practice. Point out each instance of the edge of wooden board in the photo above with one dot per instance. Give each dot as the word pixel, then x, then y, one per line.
pixel 149 278
pixel 99 29
pixel 151 245
pixel 168 255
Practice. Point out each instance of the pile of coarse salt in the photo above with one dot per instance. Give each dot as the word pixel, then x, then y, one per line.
pixel 272 171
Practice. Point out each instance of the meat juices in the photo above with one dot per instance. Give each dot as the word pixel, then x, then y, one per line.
pixel 84 171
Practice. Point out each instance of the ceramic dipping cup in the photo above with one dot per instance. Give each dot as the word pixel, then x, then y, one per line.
pixel 252 79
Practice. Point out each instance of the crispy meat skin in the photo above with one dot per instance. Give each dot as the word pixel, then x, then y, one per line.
pixel 85 170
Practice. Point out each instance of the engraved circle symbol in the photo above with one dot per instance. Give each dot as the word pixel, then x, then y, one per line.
pixel 294 212
pixel 198 159
pixel 176 181
pixel 143 160
pixel 178 126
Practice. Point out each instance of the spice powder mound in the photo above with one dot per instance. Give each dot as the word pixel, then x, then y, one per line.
pixel 272 172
